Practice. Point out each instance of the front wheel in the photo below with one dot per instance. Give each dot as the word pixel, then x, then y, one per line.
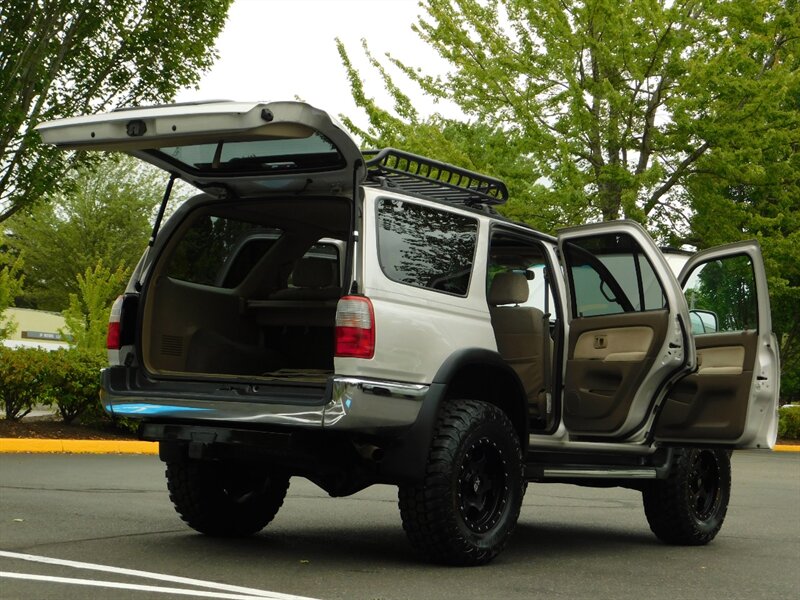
pixel 688 508
pixel 468 503
pixel 225 499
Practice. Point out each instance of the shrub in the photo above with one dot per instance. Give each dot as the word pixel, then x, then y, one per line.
pixel 74 381
pixel 789 422
pixel 24 380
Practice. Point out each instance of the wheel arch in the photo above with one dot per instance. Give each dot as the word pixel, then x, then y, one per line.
pixel 480 374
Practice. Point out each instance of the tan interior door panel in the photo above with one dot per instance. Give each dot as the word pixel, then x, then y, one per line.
pixel 608 358
pixel 614 344
pixel 723 360
pixel 712 403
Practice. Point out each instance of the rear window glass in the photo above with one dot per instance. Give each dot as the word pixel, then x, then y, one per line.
pixel 272 155
pixel 425 247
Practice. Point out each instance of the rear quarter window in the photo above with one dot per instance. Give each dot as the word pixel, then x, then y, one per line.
pixel 425 247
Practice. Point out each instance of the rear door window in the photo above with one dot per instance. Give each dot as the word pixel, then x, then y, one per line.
pixel 610 274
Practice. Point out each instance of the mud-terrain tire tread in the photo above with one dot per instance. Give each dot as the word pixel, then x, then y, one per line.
pixel 198 491
pixel 668 508
pixel 429 511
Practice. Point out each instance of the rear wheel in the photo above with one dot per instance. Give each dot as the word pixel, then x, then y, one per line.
pixel 468 504
pixel 225 499
pixel 689 507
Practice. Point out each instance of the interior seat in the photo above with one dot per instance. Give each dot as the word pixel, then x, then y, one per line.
pixel 312 279
pixel 520 335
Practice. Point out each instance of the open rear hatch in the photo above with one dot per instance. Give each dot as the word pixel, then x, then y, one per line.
pixel 243 283
pixel 246 148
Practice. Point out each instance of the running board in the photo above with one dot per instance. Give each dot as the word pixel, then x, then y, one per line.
pixel 542 472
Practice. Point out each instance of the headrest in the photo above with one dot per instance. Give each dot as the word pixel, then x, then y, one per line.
pixel 508 288
pixel 313 273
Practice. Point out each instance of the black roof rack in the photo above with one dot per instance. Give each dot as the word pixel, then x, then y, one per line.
pixel 428 177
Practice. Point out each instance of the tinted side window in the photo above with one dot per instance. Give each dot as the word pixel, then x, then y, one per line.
pixel 721 295
pixel 426 247
pixel 610 274
pixel 207 250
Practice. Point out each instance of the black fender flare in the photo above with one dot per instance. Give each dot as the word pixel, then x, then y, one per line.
pixel 464 374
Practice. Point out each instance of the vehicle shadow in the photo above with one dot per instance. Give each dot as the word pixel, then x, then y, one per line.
pixel 378 546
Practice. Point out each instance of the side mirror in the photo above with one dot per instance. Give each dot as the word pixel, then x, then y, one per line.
pixel 703 321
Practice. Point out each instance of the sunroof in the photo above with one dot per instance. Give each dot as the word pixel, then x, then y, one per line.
pixel 315 152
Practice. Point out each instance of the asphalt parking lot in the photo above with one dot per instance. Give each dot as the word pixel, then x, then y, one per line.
pixel 76 526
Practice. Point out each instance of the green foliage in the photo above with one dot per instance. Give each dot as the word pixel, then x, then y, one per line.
pixel 24 380
pixel 789 423
pixel 105 217
pixel 74 381
pixel 10 287
pixel 609 105
pixel 682 115
pixel 762 204
pixel 87 315
pixel 60 58
pixel 70 379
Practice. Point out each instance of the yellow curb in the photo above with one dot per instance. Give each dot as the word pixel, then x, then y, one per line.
pixel 787 448
pixel 50 446
pixel 9 445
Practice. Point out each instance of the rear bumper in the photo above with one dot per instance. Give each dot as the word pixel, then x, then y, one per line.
pixel 344 404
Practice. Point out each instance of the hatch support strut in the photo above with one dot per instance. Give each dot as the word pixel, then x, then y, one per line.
pixel 161 209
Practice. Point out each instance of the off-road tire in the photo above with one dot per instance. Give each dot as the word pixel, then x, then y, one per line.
pixel 225 499
pixel 467 506
pixel 688 508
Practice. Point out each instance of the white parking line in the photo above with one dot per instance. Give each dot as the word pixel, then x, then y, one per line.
pixel 237 592
pixel 130 586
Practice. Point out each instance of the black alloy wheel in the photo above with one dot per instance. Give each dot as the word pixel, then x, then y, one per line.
pixel 467 505
pixel 483 485
pixel 689 506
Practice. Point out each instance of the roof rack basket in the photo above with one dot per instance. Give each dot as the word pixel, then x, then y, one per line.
pixel 428 177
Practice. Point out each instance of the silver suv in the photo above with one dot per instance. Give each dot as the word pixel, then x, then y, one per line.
pixel 358 318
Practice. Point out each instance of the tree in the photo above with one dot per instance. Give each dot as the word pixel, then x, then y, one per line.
pixel 87 315
pixel 104 217
pixel 10 287
pixel 64 57
pixel 765 206
pixel 611 104
pixel 681 114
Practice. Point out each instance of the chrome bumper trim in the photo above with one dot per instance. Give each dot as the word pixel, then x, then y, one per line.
pixel 370 404
pixel 355 404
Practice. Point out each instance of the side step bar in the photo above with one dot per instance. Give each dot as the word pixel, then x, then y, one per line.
pixel 591 473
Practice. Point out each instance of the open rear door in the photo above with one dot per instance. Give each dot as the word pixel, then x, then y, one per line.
pixel 732 398
pixel 628 329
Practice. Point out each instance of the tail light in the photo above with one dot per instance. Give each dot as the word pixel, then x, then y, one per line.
pixel 114 325
pixel 355 327
pixel 122 329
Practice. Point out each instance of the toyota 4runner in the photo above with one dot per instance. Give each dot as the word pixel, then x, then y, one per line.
pixel 367 317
